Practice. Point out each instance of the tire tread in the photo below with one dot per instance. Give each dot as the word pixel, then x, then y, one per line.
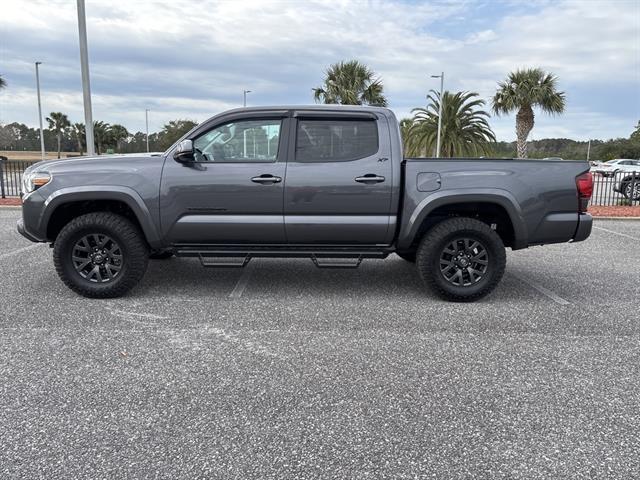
pixel 131 237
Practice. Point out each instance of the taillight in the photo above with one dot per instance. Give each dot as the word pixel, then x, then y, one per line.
pixel 584 183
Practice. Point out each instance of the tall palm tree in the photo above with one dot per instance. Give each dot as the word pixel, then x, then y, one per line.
pixel 405 132
pixel 522 91
pixel 58 123
pixel 101 135
pixel 3 83
pixel 465 129
pixel 79 135
pixel 351 83
pixel 118 134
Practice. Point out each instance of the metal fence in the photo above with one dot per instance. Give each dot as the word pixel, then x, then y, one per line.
pixel 11 176
pixel 619 188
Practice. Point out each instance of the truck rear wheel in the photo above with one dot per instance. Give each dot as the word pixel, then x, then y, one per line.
pixel 461 259
pixel 100 255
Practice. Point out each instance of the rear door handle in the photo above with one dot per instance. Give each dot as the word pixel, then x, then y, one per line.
pixel 266 179
pixel 370 178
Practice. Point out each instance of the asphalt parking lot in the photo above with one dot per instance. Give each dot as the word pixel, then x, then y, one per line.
pixel 282 370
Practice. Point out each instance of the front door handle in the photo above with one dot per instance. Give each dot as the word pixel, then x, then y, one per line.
pixel 370 178
pixel 266 179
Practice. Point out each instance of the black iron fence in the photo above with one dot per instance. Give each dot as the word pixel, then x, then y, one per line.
pixel 11 176
pixel 619 188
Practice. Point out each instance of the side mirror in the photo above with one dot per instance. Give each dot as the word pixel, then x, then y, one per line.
pixel 184 152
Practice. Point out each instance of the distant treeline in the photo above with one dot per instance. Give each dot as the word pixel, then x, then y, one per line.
pixel 575 150
pixel 18 136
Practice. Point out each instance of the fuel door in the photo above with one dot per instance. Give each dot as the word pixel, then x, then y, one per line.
pixel 428 182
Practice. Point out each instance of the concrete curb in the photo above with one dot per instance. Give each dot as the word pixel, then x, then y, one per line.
pixel 10 207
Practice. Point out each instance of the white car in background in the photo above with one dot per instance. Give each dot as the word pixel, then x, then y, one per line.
pixel 608 169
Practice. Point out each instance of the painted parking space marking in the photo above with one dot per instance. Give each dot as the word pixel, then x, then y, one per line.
pixel 243 281
pixel 617 233
pixel 151 316
pixel 20 250
pixel 556 298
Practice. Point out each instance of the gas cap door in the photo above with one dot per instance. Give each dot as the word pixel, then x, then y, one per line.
pixel 428 181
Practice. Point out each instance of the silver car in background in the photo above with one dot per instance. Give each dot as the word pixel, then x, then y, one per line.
pixel 611 167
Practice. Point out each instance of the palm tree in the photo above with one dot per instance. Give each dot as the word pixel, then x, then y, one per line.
pixel 101 135
pixel 465 129
pixel 523 90
pixel 405 132
pixel 58 123
pixel 351 83
pixel 118 134
pixel 3 83
pixel 79 135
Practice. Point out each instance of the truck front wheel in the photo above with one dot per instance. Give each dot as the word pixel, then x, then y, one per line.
pixel 461 259
pixel 100 255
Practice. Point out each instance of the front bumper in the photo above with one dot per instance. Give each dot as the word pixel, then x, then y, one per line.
pixel 23 231
pixel 585 224
pixel 29 225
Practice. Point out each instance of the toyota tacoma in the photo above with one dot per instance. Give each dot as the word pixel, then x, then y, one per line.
pixel 329 183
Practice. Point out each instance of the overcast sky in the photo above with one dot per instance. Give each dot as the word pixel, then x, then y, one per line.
pixel 185 59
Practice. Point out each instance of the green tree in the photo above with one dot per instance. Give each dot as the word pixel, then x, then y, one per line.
pixel 405 129
pixel 351 83
pixel 101 135
pixel 118 134
pixel 465 129
pixel 172 131
pixel 522 91
pixel 79 135
pixel 58 124
pixel 636 133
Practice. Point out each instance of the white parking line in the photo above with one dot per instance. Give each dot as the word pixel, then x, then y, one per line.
pixel 617 233
pixel 20 250
pixel 243 281
pixel 556 298
pixel 152 316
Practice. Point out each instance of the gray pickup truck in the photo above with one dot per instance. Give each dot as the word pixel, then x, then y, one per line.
pixel 328 183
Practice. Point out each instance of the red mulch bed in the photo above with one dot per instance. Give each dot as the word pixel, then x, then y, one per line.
pixel 10 201
pixel 614 211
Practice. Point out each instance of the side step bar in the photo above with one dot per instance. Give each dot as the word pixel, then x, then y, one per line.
pixel 228 262
pixel 240 257
pixel 340 262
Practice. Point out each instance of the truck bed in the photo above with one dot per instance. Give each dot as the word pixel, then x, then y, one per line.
pixel 539 196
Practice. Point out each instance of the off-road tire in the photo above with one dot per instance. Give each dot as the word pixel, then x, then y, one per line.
pixel 436 240
pixel 135 254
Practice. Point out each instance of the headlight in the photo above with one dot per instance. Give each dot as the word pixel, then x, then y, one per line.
pixel 33 180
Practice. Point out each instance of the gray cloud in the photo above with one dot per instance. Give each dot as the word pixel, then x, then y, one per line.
pixel 193 59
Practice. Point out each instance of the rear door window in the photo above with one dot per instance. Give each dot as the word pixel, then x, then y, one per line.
pixel 329 140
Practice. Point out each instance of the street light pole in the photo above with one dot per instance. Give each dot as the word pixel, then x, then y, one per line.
pixel 441 77
pixel 86 87
pixel 146 121
pixel 244 97
pixel 40 112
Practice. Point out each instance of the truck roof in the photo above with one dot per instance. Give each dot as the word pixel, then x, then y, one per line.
pixel 325 107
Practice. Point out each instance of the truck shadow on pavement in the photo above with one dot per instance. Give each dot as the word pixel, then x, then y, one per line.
pixel 283 279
